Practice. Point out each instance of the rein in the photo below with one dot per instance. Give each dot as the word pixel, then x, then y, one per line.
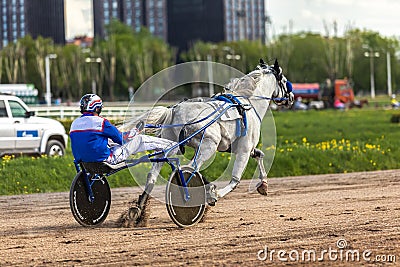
pixel 233 101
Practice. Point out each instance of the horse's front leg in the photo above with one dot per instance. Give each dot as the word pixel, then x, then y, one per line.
pixel 262 186
pixel 239 166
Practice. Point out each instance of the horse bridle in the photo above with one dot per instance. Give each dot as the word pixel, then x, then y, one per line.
pixel 287 97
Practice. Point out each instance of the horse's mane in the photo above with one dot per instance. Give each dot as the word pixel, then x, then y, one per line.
pixel 244 85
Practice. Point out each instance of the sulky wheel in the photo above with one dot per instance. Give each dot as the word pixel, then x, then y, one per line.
pixel 185 213
pixel 85 212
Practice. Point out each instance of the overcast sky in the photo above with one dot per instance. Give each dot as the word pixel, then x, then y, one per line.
pixel 79 19
pixel 382 16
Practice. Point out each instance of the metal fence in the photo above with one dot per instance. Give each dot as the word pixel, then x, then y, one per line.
pixel 72 112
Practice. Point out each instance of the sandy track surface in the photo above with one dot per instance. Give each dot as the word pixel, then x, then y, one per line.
pixel 334 216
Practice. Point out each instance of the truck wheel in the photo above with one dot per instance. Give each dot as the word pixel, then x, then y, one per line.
pixel 54 148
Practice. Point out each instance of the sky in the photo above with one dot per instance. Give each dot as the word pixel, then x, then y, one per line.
pixel 79 18
pixel 309 15
pixel 288 16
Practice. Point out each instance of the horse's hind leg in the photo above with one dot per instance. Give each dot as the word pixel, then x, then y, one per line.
pixel 262 186
pixel 139 212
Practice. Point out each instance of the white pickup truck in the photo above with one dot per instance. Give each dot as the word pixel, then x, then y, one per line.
pixel 22 132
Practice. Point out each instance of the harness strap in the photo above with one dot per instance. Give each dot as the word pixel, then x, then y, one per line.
pixel 241 125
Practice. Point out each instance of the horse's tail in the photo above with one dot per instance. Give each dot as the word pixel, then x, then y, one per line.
pixel 155 116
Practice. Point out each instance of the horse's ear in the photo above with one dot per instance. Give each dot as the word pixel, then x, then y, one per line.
pixel 262 62
pixel 276 65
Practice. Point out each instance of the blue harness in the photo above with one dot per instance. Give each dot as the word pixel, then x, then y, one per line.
pixel 241 124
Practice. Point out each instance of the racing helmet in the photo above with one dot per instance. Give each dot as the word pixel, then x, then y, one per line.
pixel 91 103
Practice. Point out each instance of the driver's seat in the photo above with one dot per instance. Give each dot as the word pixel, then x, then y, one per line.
pixel 101 167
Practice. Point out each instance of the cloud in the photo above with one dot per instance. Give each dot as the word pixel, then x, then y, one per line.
pixel 79 18
pixel 309 15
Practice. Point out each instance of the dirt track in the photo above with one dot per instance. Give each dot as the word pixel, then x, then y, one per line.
pixel 301 214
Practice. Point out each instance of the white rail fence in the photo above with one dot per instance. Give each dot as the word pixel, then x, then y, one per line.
pixel 71 112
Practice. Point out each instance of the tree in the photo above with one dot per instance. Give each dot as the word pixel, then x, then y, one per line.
pixel 13 53
pixel 43 47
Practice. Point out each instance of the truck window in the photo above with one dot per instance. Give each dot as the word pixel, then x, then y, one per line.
pixel 3 111
pixel 17 110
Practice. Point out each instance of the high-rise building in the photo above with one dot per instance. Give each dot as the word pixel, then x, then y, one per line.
pixel 214 21
pixel 134 13
pixel 244 19
pixel 13 21
pixel 46 18
pixel 182 22
pixel 34 17
pixel 190 21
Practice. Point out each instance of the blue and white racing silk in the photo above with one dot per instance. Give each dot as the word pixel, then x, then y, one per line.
pixel 89 138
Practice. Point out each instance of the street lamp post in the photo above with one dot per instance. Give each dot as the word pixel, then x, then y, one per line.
pixel 93 60
pixel 210 71
pixel 48 89
pixel 371 54
pixel 210 76
pixel 389 73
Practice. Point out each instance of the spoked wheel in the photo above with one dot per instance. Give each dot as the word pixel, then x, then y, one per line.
pixel 185 213
pixel 85 212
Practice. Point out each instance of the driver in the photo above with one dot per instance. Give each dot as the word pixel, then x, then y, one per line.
pixel 90 135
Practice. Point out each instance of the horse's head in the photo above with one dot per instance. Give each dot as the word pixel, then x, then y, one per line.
pixel 283 94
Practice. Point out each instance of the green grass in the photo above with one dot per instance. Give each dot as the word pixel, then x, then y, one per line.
pixel 25 175
pixel 329 141
pixel 313 142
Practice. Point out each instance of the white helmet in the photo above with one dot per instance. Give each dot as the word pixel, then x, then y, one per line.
pixel 91 103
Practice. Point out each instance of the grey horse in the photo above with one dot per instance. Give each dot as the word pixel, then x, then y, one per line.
pixel 254 92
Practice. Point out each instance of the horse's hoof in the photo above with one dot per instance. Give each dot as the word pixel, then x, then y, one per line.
pixel 128 219
pixel 211 194
pixel 133 213
pixel 262 188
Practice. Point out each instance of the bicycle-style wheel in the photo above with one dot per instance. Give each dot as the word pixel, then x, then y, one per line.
pixel 185 213
pixel 85 212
